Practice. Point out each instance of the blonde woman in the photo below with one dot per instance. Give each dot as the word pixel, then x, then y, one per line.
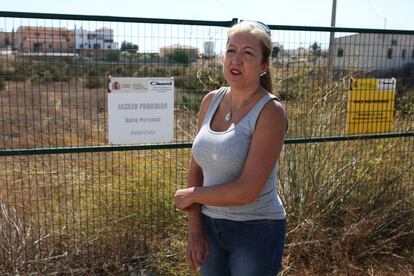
pixel 236 218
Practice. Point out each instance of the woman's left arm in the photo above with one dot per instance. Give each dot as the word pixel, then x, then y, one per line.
pixel 264 151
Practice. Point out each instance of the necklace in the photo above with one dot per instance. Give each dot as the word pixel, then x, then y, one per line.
pixel 229 115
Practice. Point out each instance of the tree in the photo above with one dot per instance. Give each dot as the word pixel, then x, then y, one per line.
pixel 112 56
pixel 179 55
pixel 316 49
pixel 129 47
pixel 275 51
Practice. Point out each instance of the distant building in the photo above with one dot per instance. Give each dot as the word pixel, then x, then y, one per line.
pixel 209 49
pixel 6 39
pixel 100 39
pixel 192 51
pixel 371 52
pixel 44 39
pixel 295 54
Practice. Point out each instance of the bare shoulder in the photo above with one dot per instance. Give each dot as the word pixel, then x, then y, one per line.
pixel 273 113
pixel 208 98
pixel 206 102
pixel 274 108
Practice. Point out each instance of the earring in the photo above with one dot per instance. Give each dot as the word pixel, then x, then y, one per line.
pixel 264 73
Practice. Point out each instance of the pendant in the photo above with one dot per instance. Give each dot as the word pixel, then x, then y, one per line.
pixel 228 117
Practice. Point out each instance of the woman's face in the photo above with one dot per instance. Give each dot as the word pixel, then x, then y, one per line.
pixel 243 60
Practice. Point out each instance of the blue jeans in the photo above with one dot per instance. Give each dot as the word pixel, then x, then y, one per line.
pixel 243 248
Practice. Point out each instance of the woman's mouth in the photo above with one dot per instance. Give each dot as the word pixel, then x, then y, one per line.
pixel 235 72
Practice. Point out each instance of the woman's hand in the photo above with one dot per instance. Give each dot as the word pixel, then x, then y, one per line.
pixel 183 198
pixel 197 249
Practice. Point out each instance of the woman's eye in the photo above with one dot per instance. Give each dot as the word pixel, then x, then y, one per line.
pixel 230 50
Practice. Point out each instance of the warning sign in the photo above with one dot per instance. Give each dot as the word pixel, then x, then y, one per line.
pixel 370 106
pixel 140 110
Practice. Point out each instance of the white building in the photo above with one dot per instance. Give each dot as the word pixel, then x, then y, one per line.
pixel 370 52
pixel 99 39
pixel 209 49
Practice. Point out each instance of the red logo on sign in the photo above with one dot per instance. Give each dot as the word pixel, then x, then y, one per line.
pixel 116 85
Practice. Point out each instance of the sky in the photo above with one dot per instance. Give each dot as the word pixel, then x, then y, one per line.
pixel 372 14
pixel 377 14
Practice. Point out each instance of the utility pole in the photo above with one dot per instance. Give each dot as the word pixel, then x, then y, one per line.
pixel 332 37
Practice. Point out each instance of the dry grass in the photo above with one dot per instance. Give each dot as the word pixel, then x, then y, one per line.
pixel 90 211
pixel 51 115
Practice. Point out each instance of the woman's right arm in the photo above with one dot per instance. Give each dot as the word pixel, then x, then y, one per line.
pixel 197 248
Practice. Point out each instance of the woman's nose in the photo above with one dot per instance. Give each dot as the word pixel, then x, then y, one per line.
pixel 237 57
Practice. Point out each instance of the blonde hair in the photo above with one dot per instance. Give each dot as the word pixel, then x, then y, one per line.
pixel 262 32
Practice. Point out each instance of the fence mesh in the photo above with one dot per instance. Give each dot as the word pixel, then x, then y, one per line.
pixel 87 209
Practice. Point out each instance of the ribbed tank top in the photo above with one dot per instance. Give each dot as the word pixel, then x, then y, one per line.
pixel 222 155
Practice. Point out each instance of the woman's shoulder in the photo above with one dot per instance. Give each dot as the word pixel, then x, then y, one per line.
pixel 208 98
pixel 274 110
pixel 274 103
pixel 206 102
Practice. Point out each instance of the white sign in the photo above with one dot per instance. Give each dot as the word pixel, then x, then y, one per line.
pixel 387 84
pixel 140 110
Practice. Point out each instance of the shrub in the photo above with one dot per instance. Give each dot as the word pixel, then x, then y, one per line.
pixel 113 56
pixel 95 78
pixel 404 104
pixel 19 73
pixel 43 76
pixel 180 56
pixel 95 82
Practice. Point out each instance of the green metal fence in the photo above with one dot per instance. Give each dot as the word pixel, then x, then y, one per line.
pixel 71 201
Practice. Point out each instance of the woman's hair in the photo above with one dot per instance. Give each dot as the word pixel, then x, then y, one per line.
pixel 262 32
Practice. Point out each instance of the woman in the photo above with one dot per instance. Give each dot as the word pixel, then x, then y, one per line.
pixel 236 219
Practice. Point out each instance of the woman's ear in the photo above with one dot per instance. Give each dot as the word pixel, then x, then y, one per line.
pixel 221 59
pixel 265 66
